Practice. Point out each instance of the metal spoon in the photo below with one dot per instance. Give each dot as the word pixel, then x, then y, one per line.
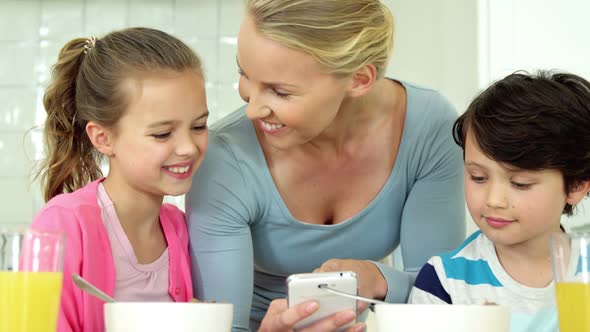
pixel 91 289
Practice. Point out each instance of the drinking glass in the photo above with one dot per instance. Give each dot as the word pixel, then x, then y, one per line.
pixel 31 266
pixel 570 255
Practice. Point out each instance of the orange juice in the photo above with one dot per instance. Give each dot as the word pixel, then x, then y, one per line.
pixel 573 306
pixel 29 301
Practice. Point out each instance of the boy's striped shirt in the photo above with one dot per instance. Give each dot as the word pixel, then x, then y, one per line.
pixel 472 274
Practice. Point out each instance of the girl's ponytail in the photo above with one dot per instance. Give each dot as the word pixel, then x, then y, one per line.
pixel 70 160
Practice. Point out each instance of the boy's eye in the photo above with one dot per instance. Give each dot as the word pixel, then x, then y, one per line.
pixel 521 186
pixel 161 136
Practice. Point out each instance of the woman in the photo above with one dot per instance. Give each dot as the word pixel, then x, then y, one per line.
pixel 330 166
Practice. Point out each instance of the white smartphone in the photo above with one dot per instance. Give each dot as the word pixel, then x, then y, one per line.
pixel 309 286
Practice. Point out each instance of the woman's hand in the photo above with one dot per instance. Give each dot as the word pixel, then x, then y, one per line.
pixel 371 282
pixel 281 318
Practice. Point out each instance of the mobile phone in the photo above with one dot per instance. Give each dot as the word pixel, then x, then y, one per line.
pixel 309 286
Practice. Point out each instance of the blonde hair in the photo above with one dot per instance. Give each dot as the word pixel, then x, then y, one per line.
pixel 342 35
pixel 86 86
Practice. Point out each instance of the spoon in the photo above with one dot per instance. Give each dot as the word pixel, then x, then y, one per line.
pixel 91 289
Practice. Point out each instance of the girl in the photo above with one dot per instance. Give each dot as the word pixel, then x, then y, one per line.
pixel 137 98
pixel 527 161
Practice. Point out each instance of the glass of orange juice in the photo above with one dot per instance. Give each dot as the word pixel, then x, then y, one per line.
pixel 31 265
pixel 570 256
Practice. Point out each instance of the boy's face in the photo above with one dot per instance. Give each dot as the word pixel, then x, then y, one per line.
pixel 512 207
pixel 161 139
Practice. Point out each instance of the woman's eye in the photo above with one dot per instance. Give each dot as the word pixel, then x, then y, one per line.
pixel 161 136
pixel 280 94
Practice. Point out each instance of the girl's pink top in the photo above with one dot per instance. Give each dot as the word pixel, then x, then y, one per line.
pixel 88 253
pixel 134 282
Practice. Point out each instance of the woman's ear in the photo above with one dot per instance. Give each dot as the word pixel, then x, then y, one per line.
pixel 363 80
pixel 101 138
pixel 578 193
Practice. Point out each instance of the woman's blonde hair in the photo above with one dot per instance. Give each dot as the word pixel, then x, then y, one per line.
pixel 342 35
pixel 86 85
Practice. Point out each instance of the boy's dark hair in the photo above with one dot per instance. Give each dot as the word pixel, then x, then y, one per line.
pixel 533 122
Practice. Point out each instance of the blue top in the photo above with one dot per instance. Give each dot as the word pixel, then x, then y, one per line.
pixel 245 242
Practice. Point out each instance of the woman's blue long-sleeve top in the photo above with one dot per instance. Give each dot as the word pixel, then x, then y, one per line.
pixel 245 242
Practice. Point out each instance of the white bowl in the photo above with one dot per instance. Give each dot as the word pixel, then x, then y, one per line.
pixel 441 318
pixel 168 317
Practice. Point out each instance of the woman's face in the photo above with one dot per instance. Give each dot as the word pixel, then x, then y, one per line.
pixel 291 99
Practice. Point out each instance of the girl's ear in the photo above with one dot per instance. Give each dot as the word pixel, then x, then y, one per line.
pixel 362 80
pixel 578 193
pixel 101 138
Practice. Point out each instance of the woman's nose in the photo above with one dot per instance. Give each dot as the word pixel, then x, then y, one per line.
pixel 257 111
pixel 257 108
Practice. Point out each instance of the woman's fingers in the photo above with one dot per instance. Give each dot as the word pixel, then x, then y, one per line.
pixel 358 327
pixel 333 322
pixel 361 306
pixel 280 317
pixel 293 315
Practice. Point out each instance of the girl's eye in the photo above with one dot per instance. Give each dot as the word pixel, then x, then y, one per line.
pixel 478 179
pixel 241 72
pixel 199 128
pixel 161 136
pixel 521 186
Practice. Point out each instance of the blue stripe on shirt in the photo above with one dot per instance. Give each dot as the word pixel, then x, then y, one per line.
pixel 472 272
pixel 428 281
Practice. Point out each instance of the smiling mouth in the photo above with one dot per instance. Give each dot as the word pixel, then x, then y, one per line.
pixel 270 127
pixel 178 170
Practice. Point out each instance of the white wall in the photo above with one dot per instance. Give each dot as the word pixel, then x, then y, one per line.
pixel 436 46
pixel 532 34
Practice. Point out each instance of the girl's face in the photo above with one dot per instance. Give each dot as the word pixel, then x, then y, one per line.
pixel 291 99
pixel 512 206
pixel 161 139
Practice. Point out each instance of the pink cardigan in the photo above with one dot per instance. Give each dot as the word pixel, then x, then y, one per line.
pixel 88 253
